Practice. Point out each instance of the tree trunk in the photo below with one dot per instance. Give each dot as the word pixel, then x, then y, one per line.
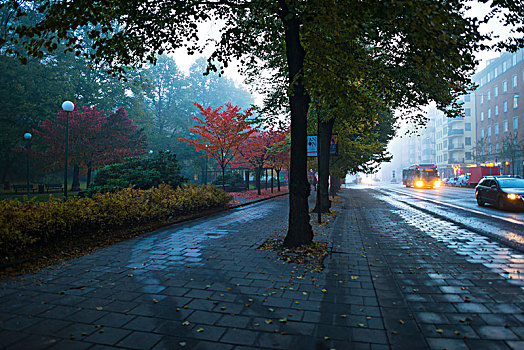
pixel 299 230
pixel 324 142
pixel 246 176
pixel 258 175
pixel 89 171
pixel 334 185
pixel 75 186
pixel 271 180
pixel 278 180
pixel 224 178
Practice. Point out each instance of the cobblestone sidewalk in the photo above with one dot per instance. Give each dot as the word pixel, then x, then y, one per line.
pixel 204 284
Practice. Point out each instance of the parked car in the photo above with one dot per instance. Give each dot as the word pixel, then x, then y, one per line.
pixel 506 192
pixel 462 180
pixel 452 181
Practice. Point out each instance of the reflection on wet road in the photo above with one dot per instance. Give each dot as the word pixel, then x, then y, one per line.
pixel 503 260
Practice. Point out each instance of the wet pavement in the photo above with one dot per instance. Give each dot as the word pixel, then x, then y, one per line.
pixel 396 278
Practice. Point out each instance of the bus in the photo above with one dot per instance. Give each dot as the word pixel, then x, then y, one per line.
pixel 421 175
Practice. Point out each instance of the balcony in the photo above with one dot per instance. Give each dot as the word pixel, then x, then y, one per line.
pixel 456 147
pixel 455 132
pixel 454 120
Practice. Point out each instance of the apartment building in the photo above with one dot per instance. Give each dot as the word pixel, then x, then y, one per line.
pixel 499 134
pixel 454 139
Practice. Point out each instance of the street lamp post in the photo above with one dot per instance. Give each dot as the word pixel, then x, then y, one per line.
pixel 27 137
pixel 68 107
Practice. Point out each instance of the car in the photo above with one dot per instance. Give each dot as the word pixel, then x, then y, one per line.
pixel 505 192
pixel 452 181
pixel 462 180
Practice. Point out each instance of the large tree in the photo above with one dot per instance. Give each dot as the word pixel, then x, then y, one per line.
pixel 405 53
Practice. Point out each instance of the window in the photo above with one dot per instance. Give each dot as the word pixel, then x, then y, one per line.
pixel 468 155
pixel 489 95
pixel 489 113
pixel 445 144
pixel 514 81
pixel 496 72
pixel 445 157
pixel 515 101
pixel 489 131
pixel 496 110
pixel 467 112
pixel 467 126
pixel 495 91
pixel 505 126
pixel 504 66
pixel 481 116
pixel 505 86
pixel 482 133
pixel 505 106
pixel 467 140
pixel 467 98
pixel 481 99
pixel 489 148
pixel 496 129
pixel 482 81
pixel 514 59
pixel 489 77
pixel 497 147
pixel 515 123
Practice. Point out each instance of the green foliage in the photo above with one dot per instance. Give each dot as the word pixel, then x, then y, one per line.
pixel 25 223
pixel 233 179
pixel 139 172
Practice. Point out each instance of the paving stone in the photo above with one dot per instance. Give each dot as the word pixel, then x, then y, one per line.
pixel 495 332
pixel 140 340
pixel 107 336
pixel 240 337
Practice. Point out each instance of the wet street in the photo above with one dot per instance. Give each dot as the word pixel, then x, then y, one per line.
pixel 401 273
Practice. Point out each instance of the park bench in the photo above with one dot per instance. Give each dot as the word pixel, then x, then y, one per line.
pixel 51 187
pixel 24 188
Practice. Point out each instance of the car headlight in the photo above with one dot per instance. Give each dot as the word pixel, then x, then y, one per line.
pixel 436 184
pixel 513 196
pixel 419 183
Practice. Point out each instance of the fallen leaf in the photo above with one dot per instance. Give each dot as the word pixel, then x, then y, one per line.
pixel 268 321
pixel 186 323
pixel 99 308
pixel 182 343
pixel 200 330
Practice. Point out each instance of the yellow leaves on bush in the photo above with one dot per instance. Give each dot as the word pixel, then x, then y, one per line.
pixel 26 223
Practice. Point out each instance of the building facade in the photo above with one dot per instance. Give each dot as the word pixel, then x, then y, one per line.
pixel 455 139
pixel 499 134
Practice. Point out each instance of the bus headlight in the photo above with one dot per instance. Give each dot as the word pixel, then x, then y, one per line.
pixel 436 183
pixel 513 196
pixel 419 183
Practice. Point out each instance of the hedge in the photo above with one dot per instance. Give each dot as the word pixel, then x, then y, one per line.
pixel 23 224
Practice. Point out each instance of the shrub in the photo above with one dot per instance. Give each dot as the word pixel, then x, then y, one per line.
pixel 139 172
pixel 23 224
pixel 233 179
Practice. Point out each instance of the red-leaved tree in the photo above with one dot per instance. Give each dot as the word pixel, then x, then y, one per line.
pixel 255 154
pixel 95 140
pixel 222 134
pixel 280 156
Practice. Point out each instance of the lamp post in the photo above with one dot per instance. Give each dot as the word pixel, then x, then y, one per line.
pixel 27 137
pixel 68 107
